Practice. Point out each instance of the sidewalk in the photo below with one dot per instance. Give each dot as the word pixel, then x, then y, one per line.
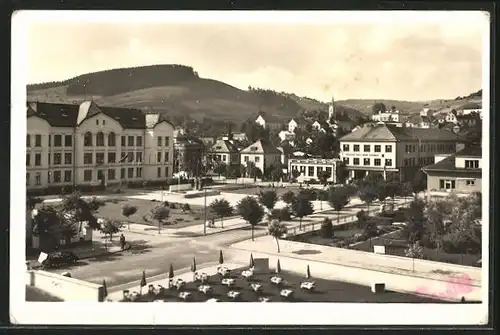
pixel 116 292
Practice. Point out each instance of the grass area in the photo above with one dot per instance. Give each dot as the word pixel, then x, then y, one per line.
pixel 325 291
pixel 396 245
pixel 35 294
pixel 112 210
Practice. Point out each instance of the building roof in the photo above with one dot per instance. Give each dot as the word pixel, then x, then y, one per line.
pixel 128 117
pixel 224 146
pixel 153 119
pixel 470 151
pixel 57 115
pixel 260 147
pixel 448 164
pixel 384 132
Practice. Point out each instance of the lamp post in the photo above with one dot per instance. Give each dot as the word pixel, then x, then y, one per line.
pixel 205 204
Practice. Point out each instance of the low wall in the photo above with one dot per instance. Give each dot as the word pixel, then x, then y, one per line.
pixel 181 187
pixel 442 289
pixel 65 288
pixel 200 194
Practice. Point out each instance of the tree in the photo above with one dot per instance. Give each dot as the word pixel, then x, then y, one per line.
pixel 288 197
pixel 110 228
pixel 127 211
pixel 295 174
pixel 51 225
pixel 160 214
pixel 341 173
pixel 405 190
pixel 338 198
pixel 277 229
pixel 268 199
pixel 415 221
pixel 221 208
pixel 301 207
pixel 378 107
pixel 81 210
pixel 322 196
pixel 367 193
pixel 251 211
pixel 326 229
pixel 221 169
pixel 382 191
pixel 419 181
pixel 323 177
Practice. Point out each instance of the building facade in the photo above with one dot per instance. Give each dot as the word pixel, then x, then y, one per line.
pixel 262 155
pixel 224 151
pixel 460 172
pixel 395 151
pixel 89 145
pixel 311 168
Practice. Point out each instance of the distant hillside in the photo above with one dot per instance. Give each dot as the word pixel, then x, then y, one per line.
pixel 175 90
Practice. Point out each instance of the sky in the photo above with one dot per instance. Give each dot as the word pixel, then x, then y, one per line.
pixel 405 59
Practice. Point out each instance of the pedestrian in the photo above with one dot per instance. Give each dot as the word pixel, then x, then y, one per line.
pixel 122 241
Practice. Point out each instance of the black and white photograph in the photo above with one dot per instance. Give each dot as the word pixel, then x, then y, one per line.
pixel 328 163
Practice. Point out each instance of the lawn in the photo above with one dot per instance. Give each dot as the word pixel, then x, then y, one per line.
pixel 112 210
pixel 325 291
pixel 35 294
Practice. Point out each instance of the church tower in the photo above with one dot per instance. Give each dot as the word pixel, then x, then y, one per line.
pixel 331 110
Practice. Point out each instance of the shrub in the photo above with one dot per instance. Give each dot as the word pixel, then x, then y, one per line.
pixel 186 207
pixel 172 205
pixel 285 214
pixel 326 229
pixel 60 258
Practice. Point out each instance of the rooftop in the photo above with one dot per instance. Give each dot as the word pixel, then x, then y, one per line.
pixel 261 147
pixel 448 164
pixel 384 132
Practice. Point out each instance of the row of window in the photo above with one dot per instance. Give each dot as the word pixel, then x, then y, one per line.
pixel 430 147
pixel 421 161
pixel 58 140
pixel 38 141
pixel 88 158
pixel 125 173
pixel 257 159
pixel 445 184
pixel 366 148
pixel 88 140
pixel 367 161
pixel 310 170
pixel 472 164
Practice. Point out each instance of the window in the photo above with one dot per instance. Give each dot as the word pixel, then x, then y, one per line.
pixel 122 173
pixel 377 162
pixel 257 159
pixel 124 141
pixel 111 139
pixel 346 160
pixel 310 171
pixel 319 169
pixel 471 182
pixel 28 159
pixel 138 172
pixel 329 171
pixel 111 174
pixel 388 162
pixel 166 156
pixel 159 141
pixel 407 148
pixel 87 158
pixel 245 158
pixel 166 171
pixel 28 141
pixel 138 157
pixel 445 184
pixel 413 161
pixel 130 142
pixel 366 148
pixel 67 176
pixel 48 159
pixel 158 157
pixel 158 172
pixel 366 161
pixel 57 176
pixel 68 140
pixel 406 162
pixel 377 148
pixel 356 147
pixel 97 121
pixel 38 140
pixel 130 173
pixel 87 175
pixel 103 122
pixel 100 139
pixel 27 178
pixel 224 158
pixel 38 178
pixel 355 161
pixel 111 157
pixel 58 140
pixel 87 139
pixel 99 157
pixel 345 147
pixel 124 157
pixel 67 158
pixel 130 157
pixel 38 159
pixel 167 141
pixel 388 148
pixel 139 141
pixel 472 164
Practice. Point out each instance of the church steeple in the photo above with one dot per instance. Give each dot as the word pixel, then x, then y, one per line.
pixel 331 109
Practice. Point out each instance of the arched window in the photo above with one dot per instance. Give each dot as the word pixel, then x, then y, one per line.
pixel 87 139
pixel 100 139
pixel 111 139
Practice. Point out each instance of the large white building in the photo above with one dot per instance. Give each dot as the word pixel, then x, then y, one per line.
pixel 91 145
pixel 311 168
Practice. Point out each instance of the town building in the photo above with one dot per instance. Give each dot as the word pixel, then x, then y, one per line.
pixel 208 141
pixel 460 172
pixel 391 150
pixel 224 151
pixel 286 135
pixel 451 117
pixel 296 123
pixel 268 122
pixel 387 116
pixel 311 168
pixel 262 154
pixel 470 108
pixel 188 154
pixel 85 145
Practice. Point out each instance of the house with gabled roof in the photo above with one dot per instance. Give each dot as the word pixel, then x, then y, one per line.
pixel 391 150
pixel 262 154
pixel 224 151
pixel 88 145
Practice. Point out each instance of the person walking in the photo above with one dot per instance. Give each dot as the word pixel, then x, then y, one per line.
pixel 122 241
